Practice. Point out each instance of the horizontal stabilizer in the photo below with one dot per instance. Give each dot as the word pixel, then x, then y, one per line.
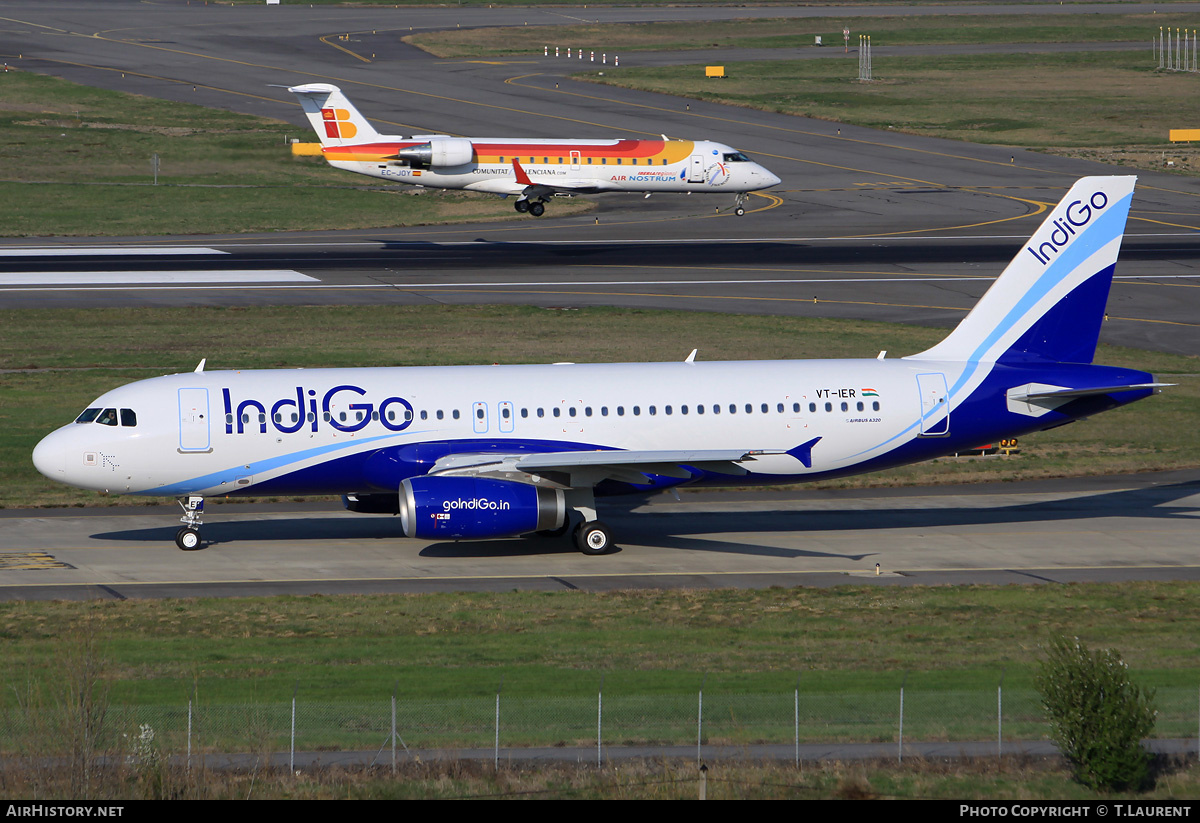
pixel 1067 393
pixel 1036 399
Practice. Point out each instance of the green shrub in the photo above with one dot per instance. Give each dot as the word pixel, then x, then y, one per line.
pixel 1098 718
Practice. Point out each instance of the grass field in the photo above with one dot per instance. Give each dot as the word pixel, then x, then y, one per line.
pixel 1115 107
pixel 54 362
pixel 799 33
pixel 850 639
pixel 1023 782
pixel 77 161
pixel 1120 96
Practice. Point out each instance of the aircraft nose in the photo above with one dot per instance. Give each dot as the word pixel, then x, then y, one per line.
pixel 48 458
pixel 770 179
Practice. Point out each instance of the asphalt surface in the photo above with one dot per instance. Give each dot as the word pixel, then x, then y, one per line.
pixel 1139 527
pixel 866 224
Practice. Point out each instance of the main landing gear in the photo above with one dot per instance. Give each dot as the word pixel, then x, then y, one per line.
pixel 535 207
pixel 188 537
pixel 589 535
pixel 593 537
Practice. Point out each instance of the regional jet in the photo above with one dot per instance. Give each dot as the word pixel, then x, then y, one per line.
pixel 531 169
pixel 481 452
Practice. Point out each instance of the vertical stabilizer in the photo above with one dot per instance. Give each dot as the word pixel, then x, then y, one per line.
pixel 1049 303
pixel 333 116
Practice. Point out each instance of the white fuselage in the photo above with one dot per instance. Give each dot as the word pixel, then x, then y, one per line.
pixel 310 431
pixel 585 166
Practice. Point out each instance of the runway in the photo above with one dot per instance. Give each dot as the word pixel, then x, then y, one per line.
pixel 867 224
pixel 916 279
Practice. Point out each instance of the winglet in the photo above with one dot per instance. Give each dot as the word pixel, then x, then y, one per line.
pixel 522 177
pixel 200 368
pixel 803 452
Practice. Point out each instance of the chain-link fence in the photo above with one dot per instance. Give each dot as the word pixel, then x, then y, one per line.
pixel 505 723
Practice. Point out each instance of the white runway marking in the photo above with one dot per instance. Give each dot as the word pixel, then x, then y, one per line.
pixel 149 278
pixel 263 280
pixel 79 251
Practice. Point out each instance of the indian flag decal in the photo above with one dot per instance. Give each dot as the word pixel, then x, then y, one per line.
pixel 869 393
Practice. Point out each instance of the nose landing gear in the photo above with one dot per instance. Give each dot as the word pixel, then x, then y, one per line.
pixel 188 536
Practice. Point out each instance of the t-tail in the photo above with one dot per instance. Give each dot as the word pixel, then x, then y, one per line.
pixel 333 117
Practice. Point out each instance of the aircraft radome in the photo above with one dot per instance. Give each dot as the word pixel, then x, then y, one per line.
pixel 471 452
pixel 533 169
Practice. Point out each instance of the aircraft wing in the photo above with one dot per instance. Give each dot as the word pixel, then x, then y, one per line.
pixel 575 469
pixel 532 189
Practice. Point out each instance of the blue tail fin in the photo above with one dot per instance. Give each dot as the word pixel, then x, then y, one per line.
pixel 1049 303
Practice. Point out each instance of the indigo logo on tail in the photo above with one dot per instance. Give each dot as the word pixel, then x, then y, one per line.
pixel 1077 215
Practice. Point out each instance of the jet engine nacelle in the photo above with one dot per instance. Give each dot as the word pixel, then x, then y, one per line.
pixel 468 508
pixel 440 151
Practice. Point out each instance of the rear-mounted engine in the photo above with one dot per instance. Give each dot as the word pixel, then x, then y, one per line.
pixel 439 152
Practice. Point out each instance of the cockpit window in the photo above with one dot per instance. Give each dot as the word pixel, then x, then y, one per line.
pixel 736 157
pixel 108 417
pixel 88 416
pixel 128 417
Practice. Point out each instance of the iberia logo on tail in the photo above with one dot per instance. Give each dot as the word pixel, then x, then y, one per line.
pixel 337 124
